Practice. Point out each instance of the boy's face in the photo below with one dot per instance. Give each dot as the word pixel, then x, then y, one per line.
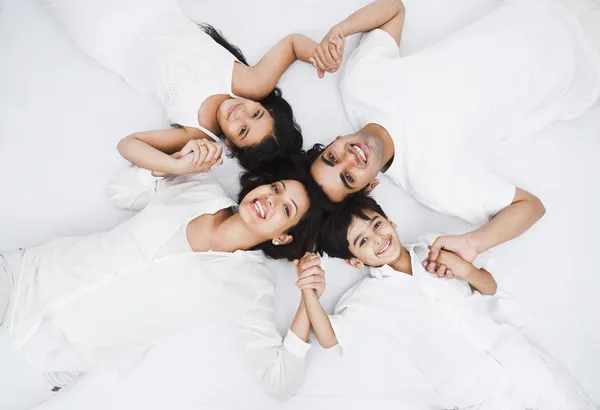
pixel 374 242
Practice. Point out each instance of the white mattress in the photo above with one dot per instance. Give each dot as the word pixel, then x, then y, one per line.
pixel 61 116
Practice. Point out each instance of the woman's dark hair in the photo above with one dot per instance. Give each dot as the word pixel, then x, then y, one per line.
pixel 334 235
pixel 306 232
pixel 288 135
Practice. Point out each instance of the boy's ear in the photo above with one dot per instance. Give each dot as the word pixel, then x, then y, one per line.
pixel 372 185
pixel 282 240
pixel 392 223
pixel 355 263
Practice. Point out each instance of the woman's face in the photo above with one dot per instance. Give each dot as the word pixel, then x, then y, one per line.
pixel 244 122
pixel 271 210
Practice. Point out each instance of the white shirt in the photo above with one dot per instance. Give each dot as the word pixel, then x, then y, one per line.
pixel 99 302
pixel 512 72
pixel 464 343
pixel 155 47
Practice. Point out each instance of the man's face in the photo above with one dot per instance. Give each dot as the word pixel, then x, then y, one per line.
pixel 348 165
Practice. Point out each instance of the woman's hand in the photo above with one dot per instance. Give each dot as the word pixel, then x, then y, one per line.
pixel 329 53
pixel 197 156
pixel 310 274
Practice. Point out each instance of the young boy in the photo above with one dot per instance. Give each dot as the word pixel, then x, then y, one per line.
pixel 473 358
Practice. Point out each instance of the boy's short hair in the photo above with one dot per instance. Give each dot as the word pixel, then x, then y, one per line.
pixel 333 240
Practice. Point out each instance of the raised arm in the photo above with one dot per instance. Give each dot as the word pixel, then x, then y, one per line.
pixel 258 81
pixel 277 362
pixel 311 280
pixel 153 150
pixel 387 15
pixel 452 265
pixel 524 211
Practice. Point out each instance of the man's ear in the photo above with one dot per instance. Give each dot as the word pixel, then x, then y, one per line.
pixel 355 263
pixel 282 240
pixel 372 185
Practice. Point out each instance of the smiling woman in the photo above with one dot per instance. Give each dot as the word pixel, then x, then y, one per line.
pixel 186 257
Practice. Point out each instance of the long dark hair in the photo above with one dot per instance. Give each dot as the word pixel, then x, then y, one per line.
pixel 306 231
pixel 288 135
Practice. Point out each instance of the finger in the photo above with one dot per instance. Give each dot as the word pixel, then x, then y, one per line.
pixel 431 267
pixel 333 50
pixel 202 155
pixel 450 275
pixel 176 155
pixel 314 286
pixel 309 263
pixel 314 63
pixel 320 73
pixel 218 154
pixel 326 57
pixel 320 64
pixel 425 263
pixel 313 271
pixel 310 279
pixel 219 161
pixel 441 271
pixel 212 151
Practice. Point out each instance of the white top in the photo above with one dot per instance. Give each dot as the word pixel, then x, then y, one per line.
pixel 465 344
pixel 512 72
pixel 155 47
pixel 99 302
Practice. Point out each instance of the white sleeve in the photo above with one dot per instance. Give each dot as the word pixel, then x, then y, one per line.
pixel 277 362
pixel 353 316
pixel 474 197
pixel 133 188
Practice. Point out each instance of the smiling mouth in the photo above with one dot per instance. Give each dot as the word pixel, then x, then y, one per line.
pixel 259 209
pixel 385 247
pixel 232 109
pixel 360 153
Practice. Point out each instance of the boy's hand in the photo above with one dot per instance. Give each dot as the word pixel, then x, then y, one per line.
pixel 310 274
pixel 328 54
pixel 450 265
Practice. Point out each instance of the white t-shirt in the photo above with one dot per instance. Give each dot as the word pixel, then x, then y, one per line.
pixel 511 73
pixel 465 344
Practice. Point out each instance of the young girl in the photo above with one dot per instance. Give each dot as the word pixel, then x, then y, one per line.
pixel 463 342
pixel 96 302
pixel 205 84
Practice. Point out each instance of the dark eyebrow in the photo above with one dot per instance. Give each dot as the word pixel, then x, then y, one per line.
pixel 285 188
pixel 358 236
pixel 260 115
pixel 344 181
pixel 325 160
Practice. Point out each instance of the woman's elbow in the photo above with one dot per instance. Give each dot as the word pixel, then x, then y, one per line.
pixel 328 343
pixel 539 207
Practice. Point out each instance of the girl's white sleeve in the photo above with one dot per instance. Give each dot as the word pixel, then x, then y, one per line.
pixel 133 188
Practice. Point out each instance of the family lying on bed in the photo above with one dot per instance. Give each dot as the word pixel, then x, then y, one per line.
pixel 193 254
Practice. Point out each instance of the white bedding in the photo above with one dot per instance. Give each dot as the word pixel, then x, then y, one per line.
pixel 61 116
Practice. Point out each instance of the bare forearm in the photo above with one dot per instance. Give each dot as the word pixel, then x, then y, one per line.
pixel 508 224
pixel 319 319
pixel 145 156
pixel 482 281
pixel 303 46
pixel 370 17
pixel 301 324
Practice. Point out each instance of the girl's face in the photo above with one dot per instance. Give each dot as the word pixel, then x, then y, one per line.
pixel 269 211
pixel 244 122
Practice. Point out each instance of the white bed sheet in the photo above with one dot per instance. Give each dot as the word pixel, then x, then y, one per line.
pixel 61 116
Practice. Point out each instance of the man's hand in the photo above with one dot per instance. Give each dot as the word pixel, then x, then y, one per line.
pixel 328 54
pixel 460 245
pixel 310 274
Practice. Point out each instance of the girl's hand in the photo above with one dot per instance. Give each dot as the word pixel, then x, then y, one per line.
pixel 310 274
pixel 198 156
pixel 328 54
